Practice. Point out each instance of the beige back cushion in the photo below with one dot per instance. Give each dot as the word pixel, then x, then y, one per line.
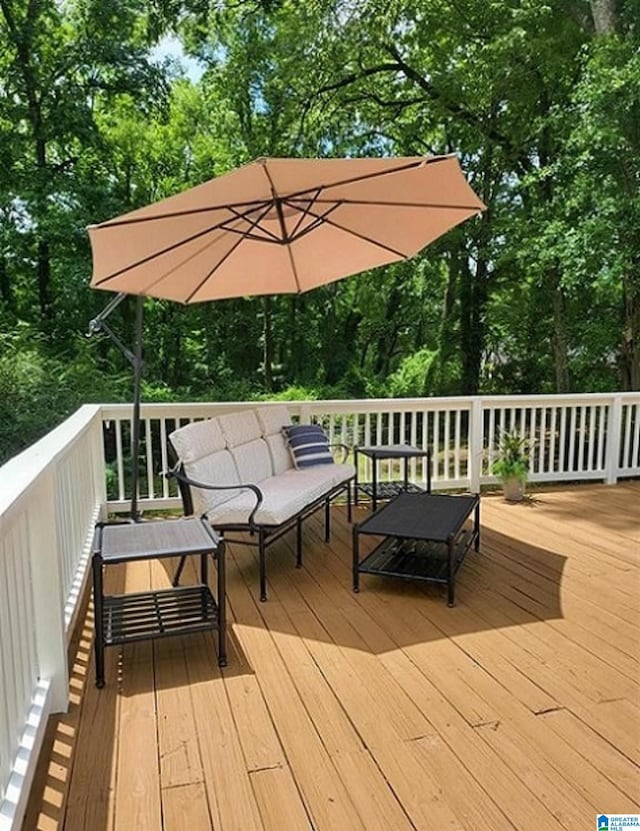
pixel 239 428
pixel 272 419
pixel 201 449
pixel 252 461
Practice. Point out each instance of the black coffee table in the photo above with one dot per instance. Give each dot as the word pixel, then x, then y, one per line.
pixel 426 537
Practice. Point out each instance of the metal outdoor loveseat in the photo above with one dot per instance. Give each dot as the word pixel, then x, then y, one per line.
pixel 237 469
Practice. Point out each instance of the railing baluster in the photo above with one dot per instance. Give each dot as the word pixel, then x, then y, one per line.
pixel 413 420
pixel 491 440
pixel 426 444
pixel 118 425
pixel 447 442
pixel 456 466
pixel 581 437
pixel 572 440
pixel 635 456
pixel 164 461
pixel 149 458
pixel 532 434
pixel 543 439
pixel 436 445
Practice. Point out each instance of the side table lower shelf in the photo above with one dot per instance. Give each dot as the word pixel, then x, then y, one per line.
pixel 387 490
pixel 157 614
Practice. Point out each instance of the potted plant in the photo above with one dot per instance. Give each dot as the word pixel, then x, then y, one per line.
pixel 512 464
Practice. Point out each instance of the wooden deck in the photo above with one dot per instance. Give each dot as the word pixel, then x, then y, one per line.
pixel 518 709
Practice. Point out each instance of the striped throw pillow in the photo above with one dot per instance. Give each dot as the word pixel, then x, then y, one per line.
pixel 308 444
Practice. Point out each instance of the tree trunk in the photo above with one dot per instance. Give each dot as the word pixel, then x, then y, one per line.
pixel 44 281
pixel 22 35
pixel 605 16
pixel 5 284
pixel 560 339
pixel 473 302
pixel 631 333
pixel 436 373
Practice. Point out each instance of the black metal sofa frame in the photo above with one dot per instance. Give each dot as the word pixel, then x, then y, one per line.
pixel 265 535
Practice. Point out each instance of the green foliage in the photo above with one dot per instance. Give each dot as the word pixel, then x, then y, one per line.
pixel 39 390
pixel 512 461
pixel 408 381
pixel 540 295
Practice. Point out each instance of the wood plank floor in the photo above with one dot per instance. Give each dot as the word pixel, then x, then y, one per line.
pixel 519 709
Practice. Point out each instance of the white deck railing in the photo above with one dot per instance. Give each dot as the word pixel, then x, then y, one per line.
pixel 50 497
pixel 576 438
pixel 52 494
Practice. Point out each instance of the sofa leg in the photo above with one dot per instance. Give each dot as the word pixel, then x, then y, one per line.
pixel 327 520
pixel 178 574
pixel 263 566
pixel 299 542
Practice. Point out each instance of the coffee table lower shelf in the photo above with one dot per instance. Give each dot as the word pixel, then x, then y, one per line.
pixel 158 614
pixel 416 559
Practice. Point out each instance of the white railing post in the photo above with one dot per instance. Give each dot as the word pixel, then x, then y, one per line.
pixel 47 590
pixel 305 414
pixel 614 435
pixel 476 448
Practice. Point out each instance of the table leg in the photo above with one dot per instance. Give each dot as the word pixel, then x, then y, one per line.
pixel 299 543
pixel 98 606
pixel 262 557
pixel 222 605
pixel 327 519
pixel 476 522
pixel 451 576
pixel 356 559
pixel 374 483
pixel 406 473
pixel 357 480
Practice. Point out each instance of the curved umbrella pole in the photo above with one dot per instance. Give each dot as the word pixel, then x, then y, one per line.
pixel 98 325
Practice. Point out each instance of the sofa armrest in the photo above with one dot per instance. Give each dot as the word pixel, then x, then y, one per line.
pixel 177 473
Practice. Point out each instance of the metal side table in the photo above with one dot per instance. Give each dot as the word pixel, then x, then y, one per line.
pixel 387 490
pixel 126 618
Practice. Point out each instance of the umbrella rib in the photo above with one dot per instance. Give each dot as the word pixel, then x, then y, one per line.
pixel 224 259
pixel 171 247
pixel 190 296
pixel 285 237
pixel 376 174
pixel 252 206
pixel 274 237
pixel 380 204
pixel 317 221
pixel 258 203
pixel 304 213
pixel 340 227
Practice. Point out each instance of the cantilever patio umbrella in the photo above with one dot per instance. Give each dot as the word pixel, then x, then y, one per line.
pixel 276 226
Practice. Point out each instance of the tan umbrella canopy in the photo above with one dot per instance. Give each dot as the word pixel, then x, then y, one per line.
pixel 274 226
pixel 280 226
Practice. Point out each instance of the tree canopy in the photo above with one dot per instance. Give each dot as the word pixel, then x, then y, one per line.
pixel 541 102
